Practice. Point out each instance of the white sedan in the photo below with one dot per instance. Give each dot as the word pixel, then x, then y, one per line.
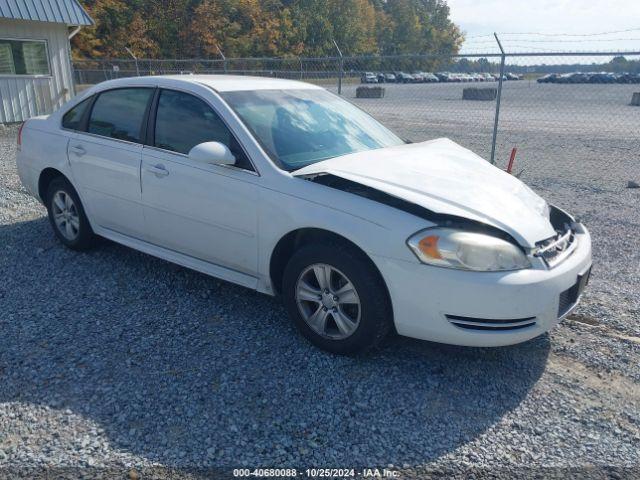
pixel 283 187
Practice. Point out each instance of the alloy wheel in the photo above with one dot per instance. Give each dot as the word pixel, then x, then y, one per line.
pixel 328 301
pixel 65 215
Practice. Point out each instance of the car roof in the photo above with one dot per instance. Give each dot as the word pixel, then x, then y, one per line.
pixel 220 83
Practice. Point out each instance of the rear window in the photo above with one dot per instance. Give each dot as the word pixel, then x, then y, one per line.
pixel 119 113
pixel 73 117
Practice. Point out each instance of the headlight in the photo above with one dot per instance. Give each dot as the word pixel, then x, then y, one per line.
pixel 451 248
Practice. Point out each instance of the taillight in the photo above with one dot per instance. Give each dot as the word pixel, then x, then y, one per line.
pixel 20 134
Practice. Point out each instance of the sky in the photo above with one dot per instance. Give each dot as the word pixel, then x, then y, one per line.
pixel 569 18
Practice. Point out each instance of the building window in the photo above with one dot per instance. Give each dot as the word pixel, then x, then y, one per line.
pixel 23 57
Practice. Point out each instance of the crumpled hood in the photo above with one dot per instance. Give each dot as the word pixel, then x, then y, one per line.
pixel 446 178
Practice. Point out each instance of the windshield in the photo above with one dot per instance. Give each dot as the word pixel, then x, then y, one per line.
pixel 301 127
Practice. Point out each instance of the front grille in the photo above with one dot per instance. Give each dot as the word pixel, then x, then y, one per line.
pixel 555 249
pixel 471 323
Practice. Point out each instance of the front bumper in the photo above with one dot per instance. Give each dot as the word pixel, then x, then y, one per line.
pixel 423 296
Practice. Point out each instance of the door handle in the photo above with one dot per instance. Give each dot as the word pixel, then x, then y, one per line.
pixel 78 150
pixel 158 170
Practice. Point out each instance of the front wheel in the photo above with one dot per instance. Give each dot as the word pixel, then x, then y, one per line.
pixel 336 298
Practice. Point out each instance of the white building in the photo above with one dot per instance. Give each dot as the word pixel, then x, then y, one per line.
pixel 35 64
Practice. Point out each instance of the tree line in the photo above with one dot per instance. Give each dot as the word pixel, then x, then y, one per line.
pixel 265 28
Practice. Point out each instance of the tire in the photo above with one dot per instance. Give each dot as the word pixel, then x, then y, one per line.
pixel 373 314
pixel 73 230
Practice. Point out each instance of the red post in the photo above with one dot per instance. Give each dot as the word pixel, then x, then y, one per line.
pixel 512 159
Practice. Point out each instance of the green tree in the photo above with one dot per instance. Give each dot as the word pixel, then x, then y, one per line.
pixel 115 21
pixel 249 28
pixel 206 30
pixel 315 28
pixel 619 64
pixel 354 26
pixel 168 21
pixel 423 26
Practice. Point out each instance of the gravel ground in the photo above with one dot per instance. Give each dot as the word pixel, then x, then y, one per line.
pixel 113 361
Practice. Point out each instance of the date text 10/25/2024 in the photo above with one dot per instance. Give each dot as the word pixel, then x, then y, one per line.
pixel 316 473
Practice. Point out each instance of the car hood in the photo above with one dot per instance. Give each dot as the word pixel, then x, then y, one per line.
pixel 447 178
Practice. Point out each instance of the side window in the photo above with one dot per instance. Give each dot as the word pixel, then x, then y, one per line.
pixel 73 117
pixel 119 113
pixel 184 121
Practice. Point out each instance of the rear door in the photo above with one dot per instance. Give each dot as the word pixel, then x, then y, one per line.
pixel 105 159
pixel 202 210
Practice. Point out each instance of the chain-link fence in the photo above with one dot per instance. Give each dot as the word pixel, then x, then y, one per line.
pixel 570 116
pixel 326 69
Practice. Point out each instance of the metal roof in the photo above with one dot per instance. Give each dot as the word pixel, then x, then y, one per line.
pixel 69 12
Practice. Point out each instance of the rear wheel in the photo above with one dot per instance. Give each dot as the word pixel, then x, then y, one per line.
pixel 336 298
pixel 67 216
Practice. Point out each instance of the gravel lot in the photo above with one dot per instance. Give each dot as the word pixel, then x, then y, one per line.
pixel 113 359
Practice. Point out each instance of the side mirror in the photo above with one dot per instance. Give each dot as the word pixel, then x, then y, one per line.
pixel 215 153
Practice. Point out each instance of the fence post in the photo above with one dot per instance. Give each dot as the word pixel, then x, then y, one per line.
pixel 499 96
pixel 135 59
pixel 340 68
pixel 224 59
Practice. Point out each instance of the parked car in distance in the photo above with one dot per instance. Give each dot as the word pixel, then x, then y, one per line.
pixel 389 77
pixel 512 76
pixel 564 78
pixel 579 77
pixel 402 77
pixel 386 77
pixel 602 77
pixel 285 188
pixel 424 77
pixel 418 77
pixel 430 77
pixel 548 78
pixel 590 77
pixel 369 77
pixel 628 78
